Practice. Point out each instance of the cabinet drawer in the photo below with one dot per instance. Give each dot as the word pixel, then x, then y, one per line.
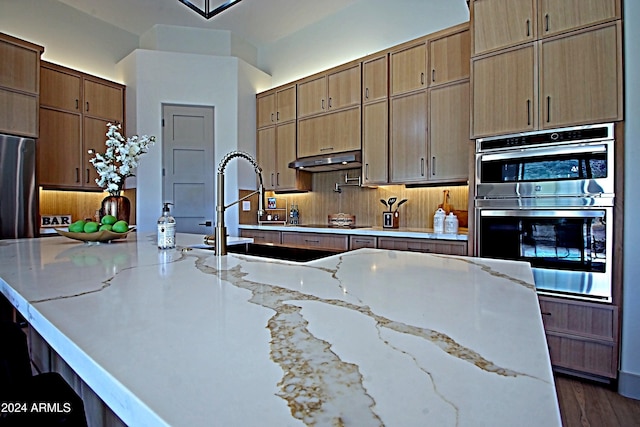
pixel 262 236
pixel 316 240
pixel 357 242
pixel 423 245
pixel 580 318
pixel 583 355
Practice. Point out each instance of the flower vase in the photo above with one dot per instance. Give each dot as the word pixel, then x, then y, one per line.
pixel 116 205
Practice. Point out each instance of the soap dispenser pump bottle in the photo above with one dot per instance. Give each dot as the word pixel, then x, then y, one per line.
pixel 166 229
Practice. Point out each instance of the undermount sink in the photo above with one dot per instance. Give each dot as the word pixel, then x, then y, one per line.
pixel 286 253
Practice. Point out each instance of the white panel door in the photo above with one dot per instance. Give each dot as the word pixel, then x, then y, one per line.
pixel 188 167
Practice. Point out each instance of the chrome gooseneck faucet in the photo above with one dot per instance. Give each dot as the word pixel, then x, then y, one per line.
pixel 221 230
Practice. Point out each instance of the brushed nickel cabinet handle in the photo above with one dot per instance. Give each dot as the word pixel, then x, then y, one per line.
pixel 366 171
pixel 433 165
pixel 421 78
pixel 366 93
pixel 528 28
pixel 422 166
pixel 528 112
pixel 277 116
pixel 77 174
pixel 278 179
pixel 329 102
pixel 77 104
pixel 433 75
pixel 546 22
pixel 311 241
pixel 87 175
pixel 87 105
pixel 271 117
pixel 272 179
pixel 326 149
pixel 322 104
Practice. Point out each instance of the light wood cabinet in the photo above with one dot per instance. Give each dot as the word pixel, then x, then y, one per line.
pixel 408 140
pixel 497 24
pixel 375 142
pixel 505 98
pixel 276 149
pixel 447 247
pixel 19 86
pixel 330 133
pixel 449 58
pixel 333 90
pixel 408 68
pixel 582 336
pixel 357 242
pixel 557 16
pixel 262 236
pixel 277 106
pixel 75 109
pixel 449 144
pixel 375 79
pixel 581 77
pixel 316 240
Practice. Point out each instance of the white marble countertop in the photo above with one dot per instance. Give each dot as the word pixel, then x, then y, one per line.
pixel 417 233
pixel 369 337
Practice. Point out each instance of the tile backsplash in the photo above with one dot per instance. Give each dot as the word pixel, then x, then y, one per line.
pixel 365 203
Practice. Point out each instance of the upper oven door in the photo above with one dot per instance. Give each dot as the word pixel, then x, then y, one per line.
pixel 562 170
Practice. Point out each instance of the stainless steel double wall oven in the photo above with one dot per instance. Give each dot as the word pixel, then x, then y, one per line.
pixel 548 198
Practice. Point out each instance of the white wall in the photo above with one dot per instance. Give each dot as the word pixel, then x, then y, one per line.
pixel 366 27
pixel 629 382
pixel 70 37
pixel 155 78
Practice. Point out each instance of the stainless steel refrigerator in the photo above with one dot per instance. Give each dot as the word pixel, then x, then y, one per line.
pixel 18 190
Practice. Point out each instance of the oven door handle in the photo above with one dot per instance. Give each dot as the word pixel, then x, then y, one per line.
pixel 580 213
pixel 543 152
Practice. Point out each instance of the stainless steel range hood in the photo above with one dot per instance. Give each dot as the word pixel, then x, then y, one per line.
pixel 329 162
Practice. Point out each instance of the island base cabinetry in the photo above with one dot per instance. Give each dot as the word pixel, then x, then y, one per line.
pixel 582 337
pixel 447 247
pixel 45 359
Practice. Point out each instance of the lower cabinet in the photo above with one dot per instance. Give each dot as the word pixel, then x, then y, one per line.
pixel 447 247
pixel 357 242
pixel 262 236
pixel 316 240
pixel 582 336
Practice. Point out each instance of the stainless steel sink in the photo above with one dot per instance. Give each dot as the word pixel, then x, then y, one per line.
pixel 287 253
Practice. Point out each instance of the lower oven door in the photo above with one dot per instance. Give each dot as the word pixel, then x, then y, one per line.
pixel 569 250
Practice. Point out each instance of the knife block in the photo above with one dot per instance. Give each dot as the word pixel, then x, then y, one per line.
pixel 390 219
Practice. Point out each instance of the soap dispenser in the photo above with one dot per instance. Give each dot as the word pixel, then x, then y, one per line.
pixel 166 229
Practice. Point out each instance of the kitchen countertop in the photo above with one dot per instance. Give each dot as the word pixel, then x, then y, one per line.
pixel 418 233
pixel 369 337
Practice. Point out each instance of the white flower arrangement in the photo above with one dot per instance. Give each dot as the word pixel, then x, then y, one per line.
pixel 120 159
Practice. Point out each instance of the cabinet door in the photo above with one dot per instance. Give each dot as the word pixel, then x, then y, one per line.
pixel 375 147
pixel 556 16
pixel 313 136
pixel 19 67
pixel 344 88
pixel 94 134
pixel 266 110
pixel 502 23
pixel 408 147
pixel 286 105
pixel 449 132
pixel 262 236
pixel 581 78
pixel 316 240
pixel 357 242
pixel 408 69
pixel 374 79
pixel 286 153
pixel 59 149
pixel 103 100
pixel 343 131
pixel 450 58
pixel 312 96
pixel 504 95
pixel 18 113
pixel 266 148
pixel 60 89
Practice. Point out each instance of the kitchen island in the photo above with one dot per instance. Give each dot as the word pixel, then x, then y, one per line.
pixel 368 337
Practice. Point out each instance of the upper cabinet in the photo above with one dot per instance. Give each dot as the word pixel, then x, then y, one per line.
pixel 449 57
pixel 556 16
pixel 75 108
pixel 568 72
pixel 502 23
pixel 331 91
pixel 409 67
pixel 19 86
pixel 497 24
pixel 375 119
pixel 375 79
pixel 277 107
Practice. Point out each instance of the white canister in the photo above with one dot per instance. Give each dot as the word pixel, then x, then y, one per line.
pixel 438 221
pixel 451 224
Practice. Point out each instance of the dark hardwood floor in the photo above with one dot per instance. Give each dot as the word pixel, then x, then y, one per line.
pixel 587 404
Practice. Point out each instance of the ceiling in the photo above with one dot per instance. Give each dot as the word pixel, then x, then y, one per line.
pixel 257 21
